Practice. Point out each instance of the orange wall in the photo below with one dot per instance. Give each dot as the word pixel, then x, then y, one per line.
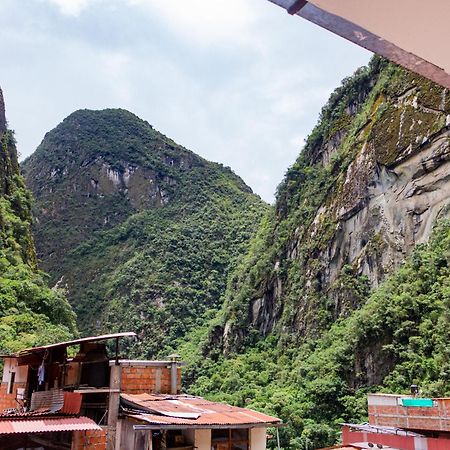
pixel 95 440
pixel 137 380
pixel 9 400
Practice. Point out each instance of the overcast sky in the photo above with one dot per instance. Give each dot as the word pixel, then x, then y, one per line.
pixel 237 81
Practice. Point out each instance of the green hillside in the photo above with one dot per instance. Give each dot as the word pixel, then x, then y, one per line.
pixel 30 312
pixel 343 291
pixel 140 231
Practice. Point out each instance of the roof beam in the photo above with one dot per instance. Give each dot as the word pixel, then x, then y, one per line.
pixel 296 7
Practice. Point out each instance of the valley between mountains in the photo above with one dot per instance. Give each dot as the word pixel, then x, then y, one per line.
pixel 297 309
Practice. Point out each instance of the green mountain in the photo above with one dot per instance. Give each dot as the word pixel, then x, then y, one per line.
pixel 140 231
pixel 345 288
pixel 30 312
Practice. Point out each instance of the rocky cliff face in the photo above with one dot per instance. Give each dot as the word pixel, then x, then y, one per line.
pixel 345 288
pixel 16 199
pixel 2 114
pixel 140 231
pixel 368 187
pixel 93 171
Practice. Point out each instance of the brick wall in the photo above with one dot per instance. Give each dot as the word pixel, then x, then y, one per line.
pixel 136 380
pixel 386 411
pixel 9 400
pixel 95 440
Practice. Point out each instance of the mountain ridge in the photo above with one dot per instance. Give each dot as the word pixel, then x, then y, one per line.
pixel 344 289
pixel 116 193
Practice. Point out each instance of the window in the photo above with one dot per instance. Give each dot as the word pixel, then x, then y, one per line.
pixel 11 383
pixel 229 439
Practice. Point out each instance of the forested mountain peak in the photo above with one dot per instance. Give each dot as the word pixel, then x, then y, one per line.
pixel 141 231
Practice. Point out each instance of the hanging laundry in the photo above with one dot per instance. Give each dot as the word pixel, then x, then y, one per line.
pixel 41 373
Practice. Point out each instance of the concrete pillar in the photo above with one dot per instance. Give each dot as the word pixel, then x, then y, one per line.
pixel 258 439
pixel 202 439
pixel 113 408
pixel 174 377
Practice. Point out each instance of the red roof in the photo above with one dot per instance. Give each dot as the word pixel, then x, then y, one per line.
pixel 188 411
pixel 47 425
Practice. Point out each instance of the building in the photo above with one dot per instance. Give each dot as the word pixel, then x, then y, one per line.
pixel 81 395
pixel 412 33
pixel 403 422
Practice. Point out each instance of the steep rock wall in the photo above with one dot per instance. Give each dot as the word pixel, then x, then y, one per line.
pixel 368 187
pixel 30 312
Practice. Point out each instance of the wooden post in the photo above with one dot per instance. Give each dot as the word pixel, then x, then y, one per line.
pixel 113 408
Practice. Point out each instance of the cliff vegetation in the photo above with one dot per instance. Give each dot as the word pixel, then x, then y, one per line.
pixel 30 312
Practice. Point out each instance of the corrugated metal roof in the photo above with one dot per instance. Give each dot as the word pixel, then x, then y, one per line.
pixel 47 425
pixel 102 337
pixel 190 411
pixel 382 429
pixel 55 401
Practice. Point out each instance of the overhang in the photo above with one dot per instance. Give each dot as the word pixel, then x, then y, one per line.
pixel 412 33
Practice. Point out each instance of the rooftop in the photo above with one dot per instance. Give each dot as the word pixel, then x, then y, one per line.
pixel 409 412
pixel 173 411
pixel 43 348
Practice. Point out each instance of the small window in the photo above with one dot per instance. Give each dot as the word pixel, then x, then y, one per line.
pixel 11 383
pixel 230 439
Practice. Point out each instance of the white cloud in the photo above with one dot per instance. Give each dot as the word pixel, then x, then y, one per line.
pixel 241 83
pixel 207 22
pixel 72 8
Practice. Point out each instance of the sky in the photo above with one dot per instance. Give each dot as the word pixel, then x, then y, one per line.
pixel 239 82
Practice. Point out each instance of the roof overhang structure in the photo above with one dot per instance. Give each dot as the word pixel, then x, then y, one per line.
pixel 34 354
pixel 412 33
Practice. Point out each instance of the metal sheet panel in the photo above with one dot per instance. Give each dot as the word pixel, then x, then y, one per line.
pixel 47 425
pixel 175 410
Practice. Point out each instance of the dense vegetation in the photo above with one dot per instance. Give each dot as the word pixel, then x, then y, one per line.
pixel 147 230
pixel 312 363
pixel 318 384
pixel 153 238
pixel 30 312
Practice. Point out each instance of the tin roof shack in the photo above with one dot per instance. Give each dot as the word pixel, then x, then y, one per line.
pixel 46 381
pixel 183 422
pixel 403 421
pixel 94 400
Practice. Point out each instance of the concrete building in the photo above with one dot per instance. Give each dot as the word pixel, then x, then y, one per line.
pixel 97 400
pixel 405 422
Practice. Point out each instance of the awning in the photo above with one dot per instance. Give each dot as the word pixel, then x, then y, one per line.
pixel 47 425
pixel 412 33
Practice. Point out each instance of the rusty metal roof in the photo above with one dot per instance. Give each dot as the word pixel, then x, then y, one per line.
pixel 42 348
pixel 53 402
pixel 192 412
pixel 47 425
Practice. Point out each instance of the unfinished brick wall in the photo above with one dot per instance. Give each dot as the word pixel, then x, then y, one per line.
pixel 9 400
pixel 385 411
pixel 91 439
pixel 140 379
